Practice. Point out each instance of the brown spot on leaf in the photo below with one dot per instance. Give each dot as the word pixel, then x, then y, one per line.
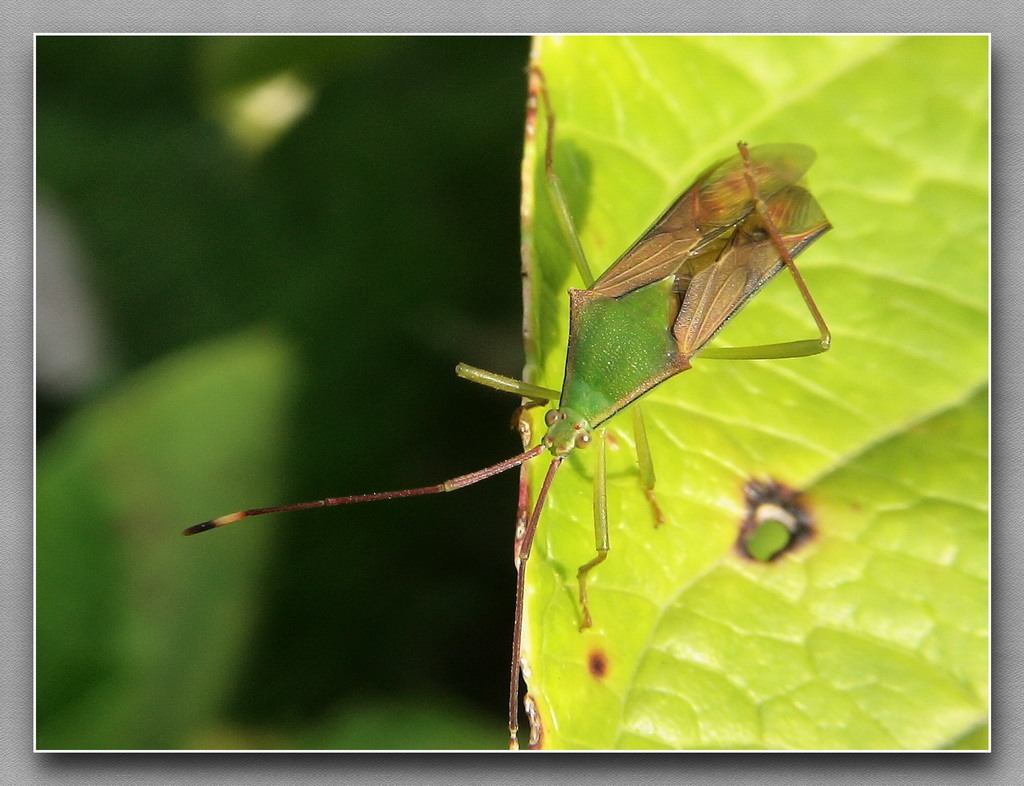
pixel 597 664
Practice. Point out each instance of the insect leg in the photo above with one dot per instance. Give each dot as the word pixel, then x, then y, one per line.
pixel 536 393
pixel 600 529
pixel 784 349
pixel 539 87
pixel 643 457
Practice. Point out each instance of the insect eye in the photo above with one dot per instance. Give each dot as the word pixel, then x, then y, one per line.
pixel 582 439
pixel 550 417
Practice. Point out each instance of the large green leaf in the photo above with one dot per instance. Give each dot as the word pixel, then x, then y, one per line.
pixel 873 633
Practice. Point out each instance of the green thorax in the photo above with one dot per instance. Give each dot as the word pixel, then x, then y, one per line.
pixel 619 348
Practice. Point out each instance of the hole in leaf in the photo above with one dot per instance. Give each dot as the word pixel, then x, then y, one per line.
pixel 777 521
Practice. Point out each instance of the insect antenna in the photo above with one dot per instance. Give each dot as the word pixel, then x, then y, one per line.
pixel 449 485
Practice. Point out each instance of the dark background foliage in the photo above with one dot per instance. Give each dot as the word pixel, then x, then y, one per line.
pixel 378 237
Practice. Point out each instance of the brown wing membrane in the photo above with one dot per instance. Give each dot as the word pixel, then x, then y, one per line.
pixel 743 265
pixel 717 201
pixel 658 252
pixel 725 194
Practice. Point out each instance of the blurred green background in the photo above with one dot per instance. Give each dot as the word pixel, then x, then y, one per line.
pixel 259 260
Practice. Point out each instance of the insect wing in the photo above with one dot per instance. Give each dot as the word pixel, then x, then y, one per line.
pixel 724 195
pixel 745 264
pixel 718 200
pixel 658 252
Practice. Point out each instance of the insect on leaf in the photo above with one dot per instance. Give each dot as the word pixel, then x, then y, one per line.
pixel 873 634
